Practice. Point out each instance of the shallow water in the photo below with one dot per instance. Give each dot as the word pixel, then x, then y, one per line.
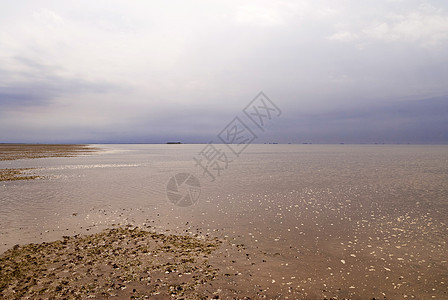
pixel 345 220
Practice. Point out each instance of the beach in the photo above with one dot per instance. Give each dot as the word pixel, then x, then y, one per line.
pixel 224 150
pixel 310 222
pixel 123 261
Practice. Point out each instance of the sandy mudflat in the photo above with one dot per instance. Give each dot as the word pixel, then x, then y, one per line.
pixel 29 151
pixel 117 262
pixel 328 228
pixel 16 174
pixel 24 151
pixel 128 263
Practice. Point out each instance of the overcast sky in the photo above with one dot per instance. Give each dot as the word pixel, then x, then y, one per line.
pixel 354 71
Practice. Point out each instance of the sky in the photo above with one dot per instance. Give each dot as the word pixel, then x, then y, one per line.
pixel 352 71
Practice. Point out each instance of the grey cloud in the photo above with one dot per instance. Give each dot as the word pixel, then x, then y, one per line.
pixel 22 97
pixel 136 72
pixel 422 121
pixel 41 85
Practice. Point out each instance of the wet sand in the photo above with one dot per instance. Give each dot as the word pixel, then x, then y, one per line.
pixel 120 262
pixel 16 174
pixel 30 151
pixel 124 261
pixel 134 263
pixel 329 228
